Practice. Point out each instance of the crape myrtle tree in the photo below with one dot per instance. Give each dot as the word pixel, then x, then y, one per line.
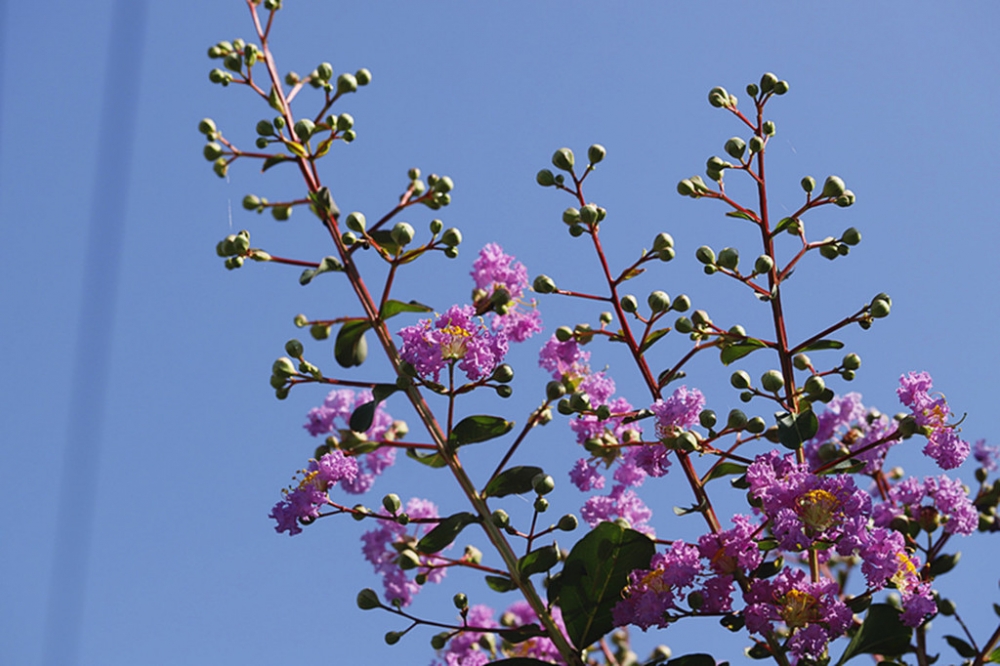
pixel 829 542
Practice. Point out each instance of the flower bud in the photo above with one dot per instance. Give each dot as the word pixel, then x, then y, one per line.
pixel 294 348
pixel 736 147
pixel 283 367
pixel 304 129
pixel 350 135
pixel 348 238
pixel 233 62
pixel 438 641
pixel 568 523
pixel 685 188
pixel 629 303
pixel 345 121
pixel 815 385
pixel 545 178
pixel 541 505
pixel 756 425
pixel 564 333
pixel 356 222
pixel 588 214
pixel 716 164
pixel 833 187
pixel 402 233
pixel 451 237
pixel 729 258
pixel 392 637
pixel 845 200
pixel 763 264
pixel 740 379
pixel 772 381
pixel 543 284
pixel 707 418
pixel 701 318
pixel 658 301
pixel 579 401
pixel 736 420
pixel 503 374
pixel 571 216
pixel 662 242
pixel 683 325
pixel 851 362
pixel 705 255
pixel 848 375
pixel 880 308
pixel 368 599
pixel 781 87
pixel 346 83
pixel 554 390
pixel 212 151
pixel 500 518
pixel 207 127
pixel 718 97
pixel 829 251
pixel 769 128
pixel 563 159
pixel 564 408
pixel 251 202
pixel 234 262
pixel 756 144
pixel 801 362
pixel 808 183
pixel 767 82
pixel 543 484
pixel 596 153
pixel 851 237
pixel 301 321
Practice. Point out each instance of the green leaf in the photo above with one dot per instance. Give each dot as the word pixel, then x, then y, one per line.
pixel 994 657
pixel 726 468
pixel 479 428
pixel 445 533
pixel 430 459
pixel 652 338
pixel 768 569
pixel 539 560
pixel 961 647
pixel 500 583
pixel 784 224
pixel 521 634
pixel 351 347
pixel 820 345
pixel 631 273
pixel 849 466
pixel 362 416
pixel 382 391
pixel 698 659
pixel 384 238
pixel 996 609
pixel 594 575
pixel 942 564
pixel 665 377
pixel 736 351
pixel 795 429
pixel 743 216
pixel 275 159
pixel 881 633
pixel 513 481
pixel 393 308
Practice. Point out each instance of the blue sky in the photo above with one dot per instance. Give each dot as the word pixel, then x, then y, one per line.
pixel 897 98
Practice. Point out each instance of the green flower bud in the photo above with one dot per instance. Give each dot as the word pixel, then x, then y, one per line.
pixel 571 216
pixel 763 264
pixel 568 523
pixel 846 199
pixel 294 348
pixel 718 97
pixel 215 52
pixel 345 121
pixel 292 78
pixel 658 301
pixel 767 82
pixel 500 518
pixel 682 303
pixel 781 87
pixel 705 255
pixel 503 374
pixel 356 222
pixel 563 159
pixel 683 325
pixel 261 143
pixel 736 147
pixel 348 136
pixel 769 128
pixel 716 164
pixel 829 251
pixel 851 362
pixel 801 362
pixel 461 601
pixel 272 5
pixel 392 637
pixel 241 242
pixel 851 237
pixel 402 233
pixel 756 144
pixel 438 641
pixel 808 183
pixel 363 76
pixel 579 401
pixel 283 367
pixel 740 379
pixel 629 303
pixel 848 375
pixel 304 129
pixel 686 188
pixel 541 505
pixel 301 321
pixel 220 167
pixel 219 76
pixel 756 425
pixel 543 484
pixel 545 178
pixel 233 62
pixel 368 599
pixel 588 214
pixel 392 503
pixel 348 238
pixel 251 202
pixel 564 333
pixel 554 390
pixel 729 258
pixel 736 420
pixel 436 226
pixel 880 308
pixel 605 318
pixel 772 381
pixel 207 127
pixel 707 418
pixel 325 71
pixel 451 237
pixel 662 242
pixel 815 385
pixel 212 151
pixel 596 153
pixel 543 284
pixel 833 187
pixel 346 83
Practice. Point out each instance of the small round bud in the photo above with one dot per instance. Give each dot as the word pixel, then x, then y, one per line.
pixel 880 308
pixel 682 303
pixel 579 401
pixel 605 318
pixel 444 184
pixel 543 484
pixel 769 128
pixel 301 321
pixel 746 396
pixel 662 242
pixel 348 238
pixel 413 173
pixel 701 318
pixel 815 385
pixel 541 505
pixel 294 348
pixel 781 87
pixel 283 367
pixel 756 425
pixel 736 420
pixel 740 379
pixel 438 641
pixel 736 147
pixel 568 523
pixel 346 83
pixel 461 601
pixel 356 222
pixel 554 390
pixel 545 178
pixel 452 237
pixel 808 183
pixel 833 187
pixel 658 301
pixel 500 518
pixel 392 503
pixel 829 251
pixel 763 264
pixel 686 188
pixel 707 418
pixel 402 233
pixel 564 408
pixel 767 82
pixel 325 71
pixel 212 151
pixel 436 226
pixel 348 136
pixel 543 284
pixel 251 202
pixel 629 303
pixel 563 159
pixel 588 214
pixel 564 333
pixel 729 257
pixel 392 637
pixel 851 362
pixel 571 216
pixel 851 237
pixel 304 129
pixel 345 121
pixel 207 127
pixel 705 255
pixel 946 607
pixel 848 375
pixel 368 599
pixel 718 97
pixel 845 200
pixel 233 62
pixel 801 362
pixel 596 153
pixel 756 144
pixel 683 325
pixel 363 76
pixel 772 381
pixel 666 254
pixel 503 374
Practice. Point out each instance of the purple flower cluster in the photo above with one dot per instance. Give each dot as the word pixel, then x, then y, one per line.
pixel 494 271
pixel 333 416
pixel 846 424
pixel 457 335
pixel 986 456
pixel 950 505
pixel 678 412
pixel 621 502
pixel 378 546
pixel 466 648
pixel 301 503
pixel 943 443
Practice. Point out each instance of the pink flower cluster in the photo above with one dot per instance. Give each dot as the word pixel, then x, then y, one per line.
pixel 302 502
pixel 943 443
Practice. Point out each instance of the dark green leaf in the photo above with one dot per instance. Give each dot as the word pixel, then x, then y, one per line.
pixel 513 481
pixel 384 238
pixel 500 583
pixel 478 428
pixel 738 350
pixel 794 429
pixel 759 651
pixel 554 588
pixel 698 659
pixel 307 276
pixel 996 609
pixel 743 216
pixel 681 511
pixel 430 459
pixel 784 224
pixel 820 345
pixel 382 391
pixel 594 575
pixel 726 468
pixel 329 265
pixel 849 466
pixel 881 633
pixel 732 621
pixel 393 308
pixel 276 159
pixel 362 417
pixel 539 560
pixel 521 634
pixel 961 647
pixel 665 377
pixel 768 569
pixel 994 657
pixel 445 533
pixel 351 347
pixel 631 273
pixel 942 564
pixel 652 338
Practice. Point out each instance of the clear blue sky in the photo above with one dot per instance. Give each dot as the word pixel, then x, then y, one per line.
pixel 897 98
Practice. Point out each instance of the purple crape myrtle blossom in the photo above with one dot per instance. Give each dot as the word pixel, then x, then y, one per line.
pixel 621 502
pixel 464 648
pixel 950 505
pixel 845 423
pixel 519 614
pixel 457 335
pixel 986 456
pixel 301 504
pixel 497 275
pixel 678 412
pixel 812 612
pixel 652 593
pixel 333 417
pixel 943 442
pixel 565 360
pixel 585 476
pixel 378 548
